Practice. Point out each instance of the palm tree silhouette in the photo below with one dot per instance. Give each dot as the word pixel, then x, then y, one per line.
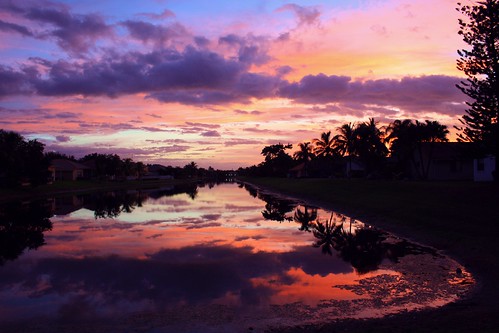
pixel 325 145
pixel 370 146
pixel 345 143
pixel 406 137
pixel 304 155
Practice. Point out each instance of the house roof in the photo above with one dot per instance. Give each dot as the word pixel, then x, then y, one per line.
pixel 299 167
pixel 67 165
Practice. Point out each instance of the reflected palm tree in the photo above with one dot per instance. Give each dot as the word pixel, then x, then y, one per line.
pixel 364 250
pixel 305 217
pixel 327 234
pixel 276 209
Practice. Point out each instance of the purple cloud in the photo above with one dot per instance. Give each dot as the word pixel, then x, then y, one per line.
pixel 317 89
pixel 305 15
pixel 414 94
pixel 251 49
pixel 8 27
pixel 202 125
pixel 210 134
pixel 165 14
pixel 13 82
pixel 254 112
pixel 73 32
pixel 62 138
pixel 238 142
pixel 158 34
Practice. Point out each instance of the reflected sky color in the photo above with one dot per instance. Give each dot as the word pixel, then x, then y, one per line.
pixel 211 252
pixel 177 81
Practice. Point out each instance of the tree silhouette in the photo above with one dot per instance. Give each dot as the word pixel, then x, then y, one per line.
pixel 327 234
pixel 324 146
pixel 305 217
pixel 21 160
pixel 345 143
pixel 369 145
pixel 21 227
pixel 304 154
pixel 277 209
pixel 277 161
pixel 480 30
pixel 406 138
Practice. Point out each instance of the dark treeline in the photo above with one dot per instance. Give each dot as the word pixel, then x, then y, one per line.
pixel 24 161
pixel 357 149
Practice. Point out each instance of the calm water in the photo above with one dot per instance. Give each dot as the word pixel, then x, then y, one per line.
pixel 205 258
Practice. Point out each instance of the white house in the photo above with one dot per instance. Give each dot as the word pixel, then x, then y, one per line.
pixel 483 168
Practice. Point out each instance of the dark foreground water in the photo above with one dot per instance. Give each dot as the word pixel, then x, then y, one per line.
pixel 224 258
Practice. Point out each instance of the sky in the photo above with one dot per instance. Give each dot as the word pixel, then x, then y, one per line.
pixel 171 81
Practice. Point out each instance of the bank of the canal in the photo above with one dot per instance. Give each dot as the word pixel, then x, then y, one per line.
pixel 61 188
pixel 460 218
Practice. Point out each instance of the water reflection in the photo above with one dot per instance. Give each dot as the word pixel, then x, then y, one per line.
pixel 364 247
pixel 191 254
pixel 21 227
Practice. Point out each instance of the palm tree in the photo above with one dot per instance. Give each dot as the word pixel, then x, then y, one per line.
pixel 431 132
pixel 325 145
pixel 369 145
pixel 304 153
pixel 406 137
pixel 345 143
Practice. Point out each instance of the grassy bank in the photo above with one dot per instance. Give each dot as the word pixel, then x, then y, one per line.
pixel 66 187
pixel 461 218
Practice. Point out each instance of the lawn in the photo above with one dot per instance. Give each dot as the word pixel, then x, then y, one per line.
pixel 461 218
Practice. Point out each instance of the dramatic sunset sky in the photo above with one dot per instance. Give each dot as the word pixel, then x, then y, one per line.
pixel 174 81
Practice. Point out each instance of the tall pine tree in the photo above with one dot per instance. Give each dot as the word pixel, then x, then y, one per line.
pixel 480 30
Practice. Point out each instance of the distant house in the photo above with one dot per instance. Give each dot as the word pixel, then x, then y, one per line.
pixel 442 161
pixel 155 172
pixel 62 169
pixel 297 171
pixel 484 168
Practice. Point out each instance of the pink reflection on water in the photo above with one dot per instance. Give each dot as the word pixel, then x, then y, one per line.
pixel 175 252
